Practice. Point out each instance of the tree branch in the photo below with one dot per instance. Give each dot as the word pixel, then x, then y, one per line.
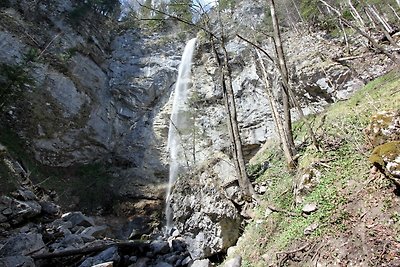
pixel 89 249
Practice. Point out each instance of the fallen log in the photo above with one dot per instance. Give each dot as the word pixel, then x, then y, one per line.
pixel 139 245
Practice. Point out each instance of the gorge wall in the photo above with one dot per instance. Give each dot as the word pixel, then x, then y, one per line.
pixel 102 92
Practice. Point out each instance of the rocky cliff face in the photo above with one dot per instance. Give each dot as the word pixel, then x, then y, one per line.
pixel 95 92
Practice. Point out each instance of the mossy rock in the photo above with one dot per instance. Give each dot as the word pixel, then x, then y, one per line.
pixel 384 127
pixel 384 153
pixel 387 158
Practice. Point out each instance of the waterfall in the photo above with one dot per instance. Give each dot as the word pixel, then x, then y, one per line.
pixel 179 125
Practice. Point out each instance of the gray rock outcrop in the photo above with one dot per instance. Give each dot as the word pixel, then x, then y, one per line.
pixel 203 213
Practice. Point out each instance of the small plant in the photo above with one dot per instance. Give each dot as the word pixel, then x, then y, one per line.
pixel 13 80
pixel 32 55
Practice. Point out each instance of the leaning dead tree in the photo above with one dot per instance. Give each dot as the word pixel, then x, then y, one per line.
pixel 225 73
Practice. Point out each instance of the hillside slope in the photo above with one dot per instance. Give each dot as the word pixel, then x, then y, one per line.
pixel 356 219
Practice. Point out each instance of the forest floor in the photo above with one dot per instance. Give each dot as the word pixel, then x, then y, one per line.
pixel 355 212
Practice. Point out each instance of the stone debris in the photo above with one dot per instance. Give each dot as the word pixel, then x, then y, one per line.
pixel 311 228
pixel 310 208
pixel 235 262
pixel 29 238
pixel 201 263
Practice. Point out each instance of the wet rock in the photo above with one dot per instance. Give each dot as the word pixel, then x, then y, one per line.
pixel 49 208
pixel 141 262
pixel 110 254
pixel 93 231
pixel 187 261
pixel 78 219
pixel 23 210
pixel 22 244
pixel 159 247
pixel 235 262
pixel 177 245
pixel 2 218
pixel 201 263
pixel 20 261
pixel 26 194
pixel 163 264
pixel 175 233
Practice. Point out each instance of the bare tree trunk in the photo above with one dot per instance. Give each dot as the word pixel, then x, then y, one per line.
pixel 394 12
pixel 233 128
pixel 379 22
pixel 356 15
pixel 275 114
pixel 244 181
pixel 345 37
pixel 285 78
pixel 384 23
pixel 290 19
pixel 361 32
pixel 298 11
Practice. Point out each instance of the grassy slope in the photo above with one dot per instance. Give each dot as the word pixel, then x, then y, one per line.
pixel 344 176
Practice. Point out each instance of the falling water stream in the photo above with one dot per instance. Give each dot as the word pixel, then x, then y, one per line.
pixel 179 125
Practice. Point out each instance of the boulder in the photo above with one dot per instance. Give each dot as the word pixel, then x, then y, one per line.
pixel 22 244
pixel 78 219
pixel 201 263
pixel 23 210
pixel 386 158
pixel 235 262
pixel 163 264
pixel 26 194
pixel 202 212
pixel 110 254
pixel 141 262
pixel 159 247
pixel 20 261
pixel 383 127
pixel 49 208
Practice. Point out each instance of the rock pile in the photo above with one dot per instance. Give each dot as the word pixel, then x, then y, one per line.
pixel 34 233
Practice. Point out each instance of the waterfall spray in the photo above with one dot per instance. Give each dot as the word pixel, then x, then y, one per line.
pixel 178 123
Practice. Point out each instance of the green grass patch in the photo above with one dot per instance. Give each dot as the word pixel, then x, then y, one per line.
pixel 345 157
